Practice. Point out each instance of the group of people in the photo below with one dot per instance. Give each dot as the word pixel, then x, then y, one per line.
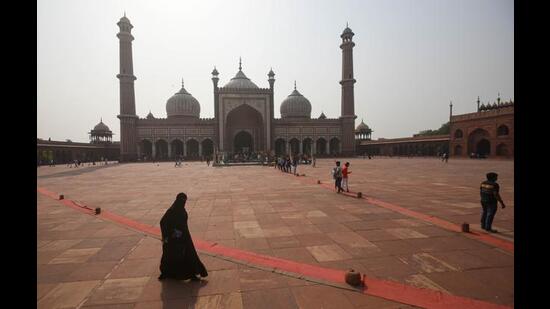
pixel 341 177
pixel 287 164
pixel 180 259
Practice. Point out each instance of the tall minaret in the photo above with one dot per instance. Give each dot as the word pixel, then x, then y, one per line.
pixel 348 106
pixel 271 81
pixel 215 80
pixel 128 118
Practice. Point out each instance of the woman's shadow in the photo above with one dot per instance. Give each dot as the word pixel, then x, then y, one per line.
pixel 180 293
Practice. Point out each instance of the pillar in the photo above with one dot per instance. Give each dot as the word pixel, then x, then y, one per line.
pixel 169 150
pixel 200 149
pixel 154 148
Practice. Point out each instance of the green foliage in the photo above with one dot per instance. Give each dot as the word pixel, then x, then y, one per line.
pixel 444 129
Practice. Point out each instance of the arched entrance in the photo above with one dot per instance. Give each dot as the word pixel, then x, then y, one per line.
pixel 243 142
pixel 483 147
pixel 306 147
pixel 146 149
pixel 334 146
pixel 192 148
pixel 502 150
pixel 321 146
pixel 294 146
pixel 162 149
pixel 478 142
pixel 280 147
pixel 177 148
pixel 458 150
pixel 207 147
pixel 244 128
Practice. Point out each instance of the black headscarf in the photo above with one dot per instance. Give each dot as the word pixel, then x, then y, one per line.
pixel 175 218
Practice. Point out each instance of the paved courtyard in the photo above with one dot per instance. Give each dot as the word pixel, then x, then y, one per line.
pixel 89 262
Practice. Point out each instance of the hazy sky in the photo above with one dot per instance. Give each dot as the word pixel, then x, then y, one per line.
pixel 411 57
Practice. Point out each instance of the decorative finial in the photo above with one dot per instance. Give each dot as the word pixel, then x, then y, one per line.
pixel 182 83
pixel 124 13
pixel 240 66
pixel 101 119
pixel 294 84
pixel 347 24
pixel 451 104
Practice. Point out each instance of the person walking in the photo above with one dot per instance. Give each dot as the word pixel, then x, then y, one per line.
pixel 489 192
pixel 179 258
pixel 345 173
pixel 313 161
pixel 295 164
pixel 337 175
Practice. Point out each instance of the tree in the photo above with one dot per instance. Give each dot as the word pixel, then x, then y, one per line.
pixel 444 129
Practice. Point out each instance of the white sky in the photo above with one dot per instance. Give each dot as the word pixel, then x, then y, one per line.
pixel 411 57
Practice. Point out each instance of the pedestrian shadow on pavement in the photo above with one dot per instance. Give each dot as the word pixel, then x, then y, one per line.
pixel 180 293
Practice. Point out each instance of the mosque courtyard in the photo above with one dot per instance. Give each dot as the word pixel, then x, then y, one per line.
pixel 273 240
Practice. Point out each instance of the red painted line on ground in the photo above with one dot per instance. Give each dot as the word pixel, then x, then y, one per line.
pixel 483 237
pixel 390 290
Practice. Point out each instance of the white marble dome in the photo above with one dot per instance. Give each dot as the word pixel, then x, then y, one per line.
pixel 182 104
pixel 295 105
pixel 240 81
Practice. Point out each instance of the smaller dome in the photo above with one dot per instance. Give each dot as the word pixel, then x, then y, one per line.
pixel 101 127
pixel 347 31
pixel 295 105
pixel 150 115
pixel 183 104
pixel 362 126
pixel 322 116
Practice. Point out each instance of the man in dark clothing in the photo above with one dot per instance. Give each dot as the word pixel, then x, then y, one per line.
pixel 489 191
pixel 337 175
pixel 179 257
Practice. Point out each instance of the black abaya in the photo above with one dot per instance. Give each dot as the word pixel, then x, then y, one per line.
pixel 179 257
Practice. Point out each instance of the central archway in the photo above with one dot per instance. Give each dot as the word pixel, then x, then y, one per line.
pixel 241 120
pixel 478 142
pixel 243 142
pixel 483 147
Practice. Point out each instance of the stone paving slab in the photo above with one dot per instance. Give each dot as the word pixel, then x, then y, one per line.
pixel 262 210
pixel 130 281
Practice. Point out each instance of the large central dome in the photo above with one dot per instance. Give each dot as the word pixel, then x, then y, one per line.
pixel 182 104
pixel 240 81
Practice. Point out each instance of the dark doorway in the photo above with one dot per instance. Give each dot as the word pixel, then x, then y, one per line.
pixel 243 142
pixel 483 147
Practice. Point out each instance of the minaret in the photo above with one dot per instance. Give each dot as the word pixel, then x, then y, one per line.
pixel 215 80
pixel 271 81
pixel 128 118
pixel 348 106
pixel 478 103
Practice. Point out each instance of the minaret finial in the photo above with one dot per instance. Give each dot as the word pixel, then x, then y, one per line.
pixel 182 82
pixel 240 64
pixel 101 119
pixel 294 84
pixel 347 24
pixel 124 13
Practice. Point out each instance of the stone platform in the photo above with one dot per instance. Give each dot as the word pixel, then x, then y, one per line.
pixel 94 263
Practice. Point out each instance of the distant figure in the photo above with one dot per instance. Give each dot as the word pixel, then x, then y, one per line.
pixel 313 161
pixel 489 191
pixel 337 175
pixel 295 164
pixel 179 257
pixel 208 161
pixel 345 173
pixel 446 157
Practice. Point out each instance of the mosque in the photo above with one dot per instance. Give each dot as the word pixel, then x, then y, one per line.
pixel 243 120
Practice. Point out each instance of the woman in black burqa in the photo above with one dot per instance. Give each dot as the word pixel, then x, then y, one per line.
pixel 179 257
